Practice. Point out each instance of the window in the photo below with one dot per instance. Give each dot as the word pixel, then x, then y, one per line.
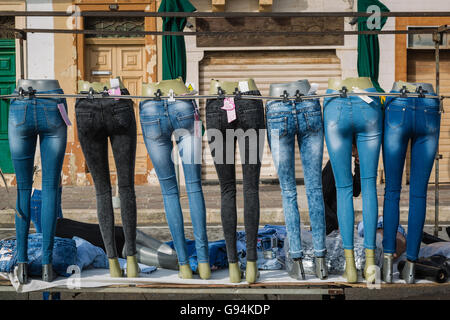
pixel 423 41
pixel 114 24
pixel 5 24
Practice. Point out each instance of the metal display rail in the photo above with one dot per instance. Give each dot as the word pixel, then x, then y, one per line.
pixel 197 14
pixel 298 98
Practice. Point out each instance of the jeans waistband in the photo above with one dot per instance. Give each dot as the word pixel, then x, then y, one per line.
pixel 305 104
pixel 165 102
pixel 43 100
pixel 351 99
pixel 426 86
pixel 413 102
pixel 56 91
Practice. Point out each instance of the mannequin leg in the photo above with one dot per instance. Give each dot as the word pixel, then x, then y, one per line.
pixel 124 150
pixel 423 151
pixel 52 146
pixel 188 146
pixel 22 154
pixel 95 150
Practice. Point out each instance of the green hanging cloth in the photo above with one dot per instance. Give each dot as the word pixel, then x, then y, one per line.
pixel 174 48
pixel 368 44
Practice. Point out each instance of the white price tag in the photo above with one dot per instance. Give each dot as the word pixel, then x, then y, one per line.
pixel 243 86
pixel 313 89
pixel 115 83
pixel 366 99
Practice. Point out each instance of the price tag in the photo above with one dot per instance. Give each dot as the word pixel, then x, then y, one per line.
pixel 366 99
pixel 114 92
pixel 313 89
pixel 230 108
pixel 62 111
pixel 198 128
pixel 115 83
pixel 243 86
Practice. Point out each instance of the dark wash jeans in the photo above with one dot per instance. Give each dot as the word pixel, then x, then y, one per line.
pixel 248 124
pixel 417 120
pixel 98 120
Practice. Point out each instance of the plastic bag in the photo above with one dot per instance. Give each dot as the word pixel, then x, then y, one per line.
pixel 335 253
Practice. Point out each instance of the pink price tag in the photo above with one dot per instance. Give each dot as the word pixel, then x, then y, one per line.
pixel 62 111
pixel 114 92
pixel 230 107
pixel 197 129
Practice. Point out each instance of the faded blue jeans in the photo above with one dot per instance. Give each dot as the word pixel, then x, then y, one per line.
pixel 160 120
pixel 418 120
pixel 346 119
pixel 287 122
pixel 64 255
pixel 28 119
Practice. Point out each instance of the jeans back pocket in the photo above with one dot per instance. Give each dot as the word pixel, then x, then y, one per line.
pixel 53 116
pixel 84 122
pixel 314 121
pixel 17 114
pixel 433 120
pixel 370 113
pixel 395 116
pixel 151 128
pixel 186 121
pixel 332 113
pixel 122 116
pixel 277 126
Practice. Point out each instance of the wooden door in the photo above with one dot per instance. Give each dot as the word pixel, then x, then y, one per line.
pixel 105 61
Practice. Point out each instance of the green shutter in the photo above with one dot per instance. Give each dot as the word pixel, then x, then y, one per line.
pixel 7 85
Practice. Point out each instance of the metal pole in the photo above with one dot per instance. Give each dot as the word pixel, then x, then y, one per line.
pixel 437 39
pixel 21 35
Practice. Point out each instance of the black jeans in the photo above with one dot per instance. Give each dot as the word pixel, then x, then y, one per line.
pixel 248 129
pixel 98 120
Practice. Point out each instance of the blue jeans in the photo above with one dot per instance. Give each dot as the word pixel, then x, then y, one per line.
pixel 64 255
pixel 36 204
pixel 285 123
pixel 418 120
pixel 159 120
pixel 28 119
pixel 344 120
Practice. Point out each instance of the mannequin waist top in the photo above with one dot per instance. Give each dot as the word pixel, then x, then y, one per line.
pixel 413 86
pixel 230 86
pixel 39 85
pixel 349 83
pixel 97 86
pixel 177 85
pixel 277 89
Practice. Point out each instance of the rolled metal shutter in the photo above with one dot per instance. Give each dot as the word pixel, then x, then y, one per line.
pixel 265 67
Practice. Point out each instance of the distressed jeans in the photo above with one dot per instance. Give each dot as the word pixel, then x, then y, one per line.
pixel 287 122
pixel 28 119
pixel 346 119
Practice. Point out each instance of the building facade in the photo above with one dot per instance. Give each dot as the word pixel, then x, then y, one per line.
pixel 69 58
